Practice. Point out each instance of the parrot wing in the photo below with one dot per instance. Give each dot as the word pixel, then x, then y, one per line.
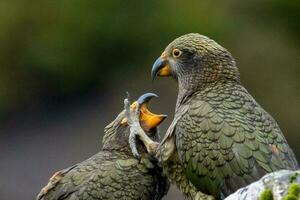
pixel 167 145
pixel 226 140
pixel 103 176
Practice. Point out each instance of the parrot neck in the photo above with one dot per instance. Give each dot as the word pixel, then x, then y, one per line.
pixel 186 89
pixel 188 84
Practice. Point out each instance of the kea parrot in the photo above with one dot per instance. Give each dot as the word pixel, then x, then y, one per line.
pixel 114 173
pixel 220 139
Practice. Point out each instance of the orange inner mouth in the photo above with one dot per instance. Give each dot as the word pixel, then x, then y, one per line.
pixel 148 120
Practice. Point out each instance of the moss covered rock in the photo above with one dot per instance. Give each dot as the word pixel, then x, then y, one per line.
pixel 278 185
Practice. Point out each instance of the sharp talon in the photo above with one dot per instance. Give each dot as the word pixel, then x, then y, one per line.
pixel 126 104
pixel 127 95
pixel 132 144
pixel 127 100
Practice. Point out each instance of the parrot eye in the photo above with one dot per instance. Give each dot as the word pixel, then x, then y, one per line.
pixel 176 53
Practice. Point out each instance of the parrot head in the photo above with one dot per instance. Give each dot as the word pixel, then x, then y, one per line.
pixel 117 132
pixel 193 60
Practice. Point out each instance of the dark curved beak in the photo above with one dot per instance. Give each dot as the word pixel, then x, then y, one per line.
pixel 145 98
pixel 160 67
pixel 148 120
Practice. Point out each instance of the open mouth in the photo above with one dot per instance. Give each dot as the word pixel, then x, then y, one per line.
pixel 148 120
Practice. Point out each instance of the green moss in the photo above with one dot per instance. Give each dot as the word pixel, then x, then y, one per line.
pixel 294 177
pixel 290 197
pixel 294 189
pixel 293 192
pixel 266 195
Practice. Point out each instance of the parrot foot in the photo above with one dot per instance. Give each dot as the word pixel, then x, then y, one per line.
pixel 201 196
pixel 136 130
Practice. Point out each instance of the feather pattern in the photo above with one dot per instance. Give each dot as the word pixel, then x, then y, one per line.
pixel 231 138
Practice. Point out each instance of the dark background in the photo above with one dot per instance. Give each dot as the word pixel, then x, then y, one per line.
pixel 65 66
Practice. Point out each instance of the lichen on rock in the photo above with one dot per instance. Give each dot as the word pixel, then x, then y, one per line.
pixel 267 194
pixel 283 184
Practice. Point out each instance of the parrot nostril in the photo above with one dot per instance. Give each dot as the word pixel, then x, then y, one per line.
pixel 163 55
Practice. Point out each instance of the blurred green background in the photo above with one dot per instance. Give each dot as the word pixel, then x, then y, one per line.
pixel 65 66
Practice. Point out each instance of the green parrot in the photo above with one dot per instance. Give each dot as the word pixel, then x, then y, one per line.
pixel 220 139
pixel 114 173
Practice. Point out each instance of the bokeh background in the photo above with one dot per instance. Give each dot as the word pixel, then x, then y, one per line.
pixel 65 67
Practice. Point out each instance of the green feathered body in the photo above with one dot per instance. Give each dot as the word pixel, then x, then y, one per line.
pixel 106 175
pixel 112 174
pixel 175 172
pixel 225 140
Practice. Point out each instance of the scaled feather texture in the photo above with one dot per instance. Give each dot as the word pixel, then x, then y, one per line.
pixel 221 139
pixel 113 173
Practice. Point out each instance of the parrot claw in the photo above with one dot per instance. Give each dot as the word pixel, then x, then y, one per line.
pixel 133 122
pixel 136 130
pixel 202 196
pixel 132 144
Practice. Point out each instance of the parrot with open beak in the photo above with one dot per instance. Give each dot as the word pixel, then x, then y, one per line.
pixel 115 173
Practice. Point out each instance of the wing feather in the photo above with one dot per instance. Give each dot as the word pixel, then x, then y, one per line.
pixel 232 140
